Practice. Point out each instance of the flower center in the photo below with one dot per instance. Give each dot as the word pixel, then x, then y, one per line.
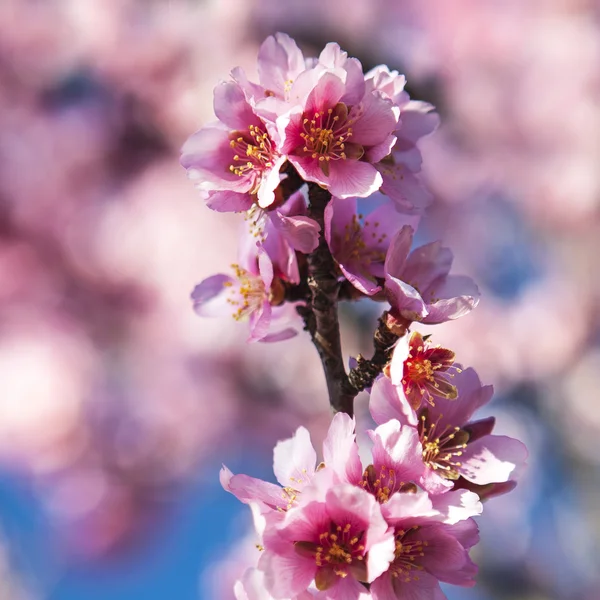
pixel 248 296
pixel 441 446
pixel 383 484
pixel 355 248
pixel 337 550
pixel 407 555
pixel 253 153
pixel 326 133
pixel 426 373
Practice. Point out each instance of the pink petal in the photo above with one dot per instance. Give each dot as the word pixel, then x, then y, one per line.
pixel 326 93
pixel 381 150
pixel 418 120
pixel 227 201
pixel 340 451
pixel 286 575
pixel 374 120
pixel 269 181
pixel 398 251
pixel 302 233
pixel 457 505
pixel 492 459
pixel 279 61
pixel 385 403
pixel 398 447
pixel 459 295
pixel 363 283
pixel 338 216
pixel 232 108
pixel 352 178
pixel 408 506
pixel 210 296
pixel 260 322
pixel 294 460
pixel 403 187
pixel 400 354
pixel 427 264
pixel 249 489
pixel 405 299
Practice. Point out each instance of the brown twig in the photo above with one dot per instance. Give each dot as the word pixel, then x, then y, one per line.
pixel 320 314
pixel 386 335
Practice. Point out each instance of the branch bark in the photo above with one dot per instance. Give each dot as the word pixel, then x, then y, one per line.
pixel 321 314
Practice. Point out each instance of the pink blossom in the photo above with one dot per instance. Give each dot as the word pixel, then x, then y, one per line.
pixel 359 244
pixel 337 543
pixel 453 446
pixel 423 371
pixel 401 167
pixel 235 161
pixel 428 549
pixel 281 232
pixel 332 136
pixel 419 287
pixel 294 465
pixel 248 295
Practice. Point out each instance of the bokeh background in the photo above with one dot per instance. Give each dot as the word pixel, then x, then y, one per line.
pixel 118 404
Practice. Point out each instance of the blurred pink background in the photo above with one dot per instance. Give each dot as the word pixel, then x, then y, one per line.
pixel 118 404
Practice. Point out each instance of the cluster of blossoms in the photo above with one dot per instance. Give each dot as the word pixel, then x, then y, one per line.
pixel 400 523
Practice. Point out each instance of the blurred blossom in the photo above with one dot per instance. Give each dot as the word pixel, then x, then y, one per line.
pixel 115 395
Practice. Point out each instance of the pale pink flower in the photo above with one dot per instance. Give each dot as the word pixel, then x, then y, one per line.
pixel 248 295
pixel 294 465
pixel 337 543
pixel 428 549
pixel 400 169
pixel 235 161
pixel 419 287
pixel 453 447
pixel 359 244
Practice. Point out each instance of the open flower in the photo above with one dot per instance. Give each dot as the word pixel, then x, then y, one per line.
pixel 419 287
pixel 400 169
pixel 337 543
pixel 423 371
pixel 248 295
pixel 427 549
pixel 333 143
pixel 453 446
pixel 235 161
pixel 359 244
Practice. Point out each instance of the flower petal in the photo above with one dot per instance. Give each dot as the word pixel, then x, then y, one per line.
pixel 294 460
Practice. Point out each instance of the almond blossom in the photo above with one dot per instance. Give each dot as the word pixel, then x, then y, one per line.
pixel 419 287
pixel 453 446
pixel 235 160
pixel 359 243
pixel 335 143
pixel 338 543
pixel 422 370
pixel 251 294
pixel 400 169
pixel 428 549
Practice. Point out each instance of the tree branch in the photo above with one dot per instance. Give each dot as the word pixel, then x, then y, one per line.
pixel 321 314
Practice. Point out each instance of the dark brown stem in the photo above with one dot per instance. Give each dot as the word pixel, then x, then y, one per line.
pixel 320 314
pixel 386 335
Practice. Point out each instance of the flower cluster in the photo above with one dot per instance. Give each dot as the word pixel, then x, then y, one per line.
pixel 392 528
pixel 402 521
pixel 322 121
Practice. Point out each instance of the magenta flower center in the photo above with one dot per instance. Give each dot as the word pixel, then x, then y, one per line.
pixel 407 555
pixel 338 551
pixel 248 296
pixel 253 152
pixel 426 372
pixel 384 483
pixel 441 446
pixel 325 133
